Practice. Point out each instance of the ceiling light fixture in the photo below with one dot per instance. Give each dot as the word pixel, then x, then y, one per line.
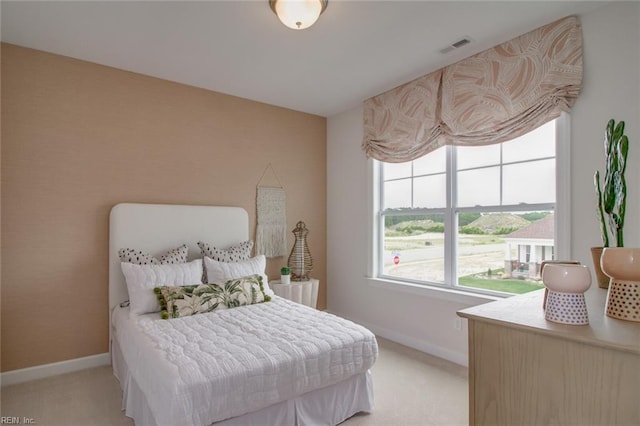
pixel 298 14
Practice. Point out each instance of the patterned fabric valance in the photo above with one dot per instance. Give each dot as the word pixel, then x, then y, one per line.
pixel 488 98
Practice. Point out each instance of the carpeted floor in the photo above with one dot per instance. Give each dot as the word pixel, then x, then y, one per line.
pixel 410 388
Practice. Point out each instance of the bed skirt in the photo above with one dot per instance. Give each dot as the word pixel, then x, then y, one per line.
pixel 326 406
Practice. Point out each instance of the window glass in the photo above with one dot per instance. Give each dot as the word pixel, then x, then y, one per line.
pixel 414 247
pixel 434 162
pixel 503 251
pixel 397 170
pixel 397 194
pixel 532 182
pixel 430 191
pixel 477 156
pixel 540 143
pixel 479 187
pixel 502 200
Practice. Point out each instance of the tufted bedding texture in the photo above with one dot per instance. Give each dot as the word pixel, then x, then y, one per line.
pixel 210 367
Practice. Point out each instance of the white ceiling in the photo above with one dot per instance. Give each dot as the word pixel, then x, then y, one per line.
pixel 356 50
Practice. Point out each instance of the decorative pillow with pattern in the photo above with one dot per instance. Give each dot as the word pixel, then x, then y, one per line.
pixel 235 253
pixel 189 300
pixel 138 257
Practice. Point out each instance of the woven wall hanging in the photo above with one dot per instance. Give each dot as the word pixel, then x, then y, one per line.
pixel 271 205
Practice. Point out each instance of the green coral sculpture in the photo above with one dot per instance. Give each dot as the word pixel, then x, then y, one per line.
pixel 612 196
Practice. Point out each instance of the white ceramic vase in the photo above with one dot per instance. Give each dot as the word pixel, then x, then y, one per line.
pixel 566 285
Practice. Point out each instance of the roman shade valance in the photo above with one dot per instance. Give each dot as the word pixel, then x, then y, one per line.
pixel 491 97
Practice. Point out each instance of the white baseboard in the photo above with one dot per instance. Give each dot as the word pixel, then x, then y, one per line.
pixel 420 345
pixel 54 369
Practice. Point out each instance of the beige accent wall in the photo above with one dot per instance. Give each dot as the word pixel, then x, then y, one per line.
pixel 78 138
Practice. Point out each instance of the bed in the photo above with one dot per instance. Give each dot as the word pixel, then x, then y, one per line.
pixel 271 363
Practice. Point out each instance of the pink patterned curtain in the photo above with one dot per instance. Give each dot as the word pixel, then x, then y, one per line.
pixel 488 98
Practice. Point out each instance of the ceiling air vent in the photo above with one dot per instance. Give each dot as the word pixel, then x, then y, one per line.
pixel 456 45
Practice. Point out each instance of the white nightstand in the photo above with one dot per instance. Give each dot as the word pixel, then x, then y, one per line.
pixel 304 292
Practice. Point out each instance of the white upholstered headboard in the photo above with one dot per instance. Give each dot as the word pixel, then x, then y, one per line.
pixel 158 228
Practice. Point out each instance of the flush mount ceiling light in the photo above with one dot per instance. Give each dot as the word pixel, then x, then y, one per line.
pixel 298 14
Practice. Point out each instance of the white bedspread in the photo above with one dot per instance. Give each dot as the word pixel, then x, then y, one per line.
pixel 210 367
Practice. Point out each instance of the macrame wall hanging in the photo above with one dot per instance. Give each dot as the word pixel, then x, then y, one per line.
pixel 271 232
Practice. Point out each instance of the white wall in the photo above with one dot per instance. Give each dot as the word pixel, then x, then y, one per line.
pixel 611 90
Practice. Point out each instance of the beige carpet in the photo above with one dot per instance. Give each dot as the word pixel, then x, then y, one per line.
pixel 410 388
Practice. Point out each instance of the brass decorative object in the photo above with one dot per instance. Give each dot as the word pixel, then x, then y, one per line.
pixel 300 261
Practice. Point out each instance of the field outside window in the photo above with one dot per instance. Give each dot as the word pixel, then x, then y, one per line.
pixel 488 231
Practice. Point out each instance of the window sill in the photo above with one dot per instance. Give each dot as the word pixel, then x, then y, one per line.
pixel 446 294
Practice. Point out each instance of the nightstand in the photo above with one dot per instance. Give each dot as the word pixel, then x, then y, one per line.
pixel 303 292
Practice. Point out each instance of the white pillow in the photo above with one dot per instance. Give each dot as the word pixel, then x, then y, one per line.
pixel 142 279
pixel 223 271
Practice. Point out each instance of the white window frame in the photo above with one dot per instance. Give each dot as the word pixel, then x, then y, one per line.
pixel 448 290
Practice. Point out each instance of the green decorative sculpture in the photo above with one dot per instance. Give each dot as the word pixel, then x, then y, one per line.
pixel 612 196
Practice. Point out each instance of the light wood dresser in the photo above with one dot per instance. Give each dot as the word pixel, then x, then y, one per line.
pixel 524 370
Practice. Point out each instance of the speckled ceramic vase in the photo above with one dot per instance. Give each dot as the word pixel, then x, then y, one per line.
pixel 622 265
pixel 566 285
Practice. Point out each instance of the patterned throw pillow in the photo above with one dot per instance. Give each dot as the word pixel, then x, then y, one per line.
pixel 189 300
pixel 235 253
pixel 138 257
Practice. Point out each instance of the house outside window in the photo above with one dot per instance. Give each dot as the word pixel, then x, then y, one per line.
pixel 478 219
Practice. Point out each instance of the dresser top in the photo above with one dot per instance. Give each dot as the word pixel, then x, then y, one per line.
pixel 525 312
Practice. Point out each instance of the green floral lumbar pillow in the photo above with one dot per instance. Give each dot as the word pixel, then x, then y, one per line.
pixel 188 300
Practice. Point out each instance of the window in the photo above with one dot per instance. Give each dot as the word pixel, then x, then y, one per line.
pixel 479 219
